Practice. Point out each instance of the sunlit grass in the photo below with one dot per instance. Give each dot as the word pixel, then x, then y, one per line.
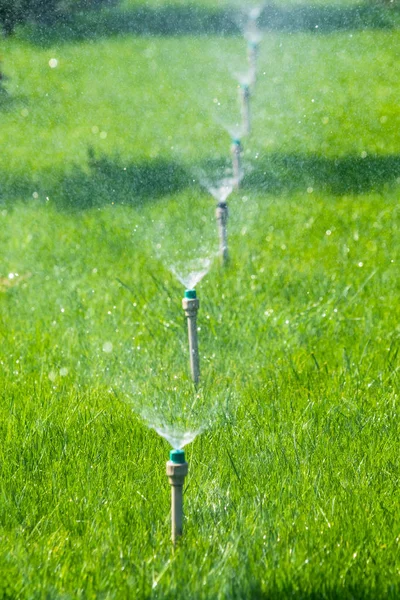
pixel 293 484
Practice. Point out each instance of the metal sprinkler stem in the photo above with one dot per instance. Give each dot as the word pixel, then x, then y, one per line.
pixel 236 151
pixel 177 469
pixel 245 102
pixel 252 54
pixel 190 304
pixel 222 219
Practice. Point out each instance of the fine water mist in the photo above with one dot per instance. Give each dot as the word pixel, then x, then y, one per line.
pixel 235 129
pixel 253 35
pixel 219 188
pixel 167 402
pixel 244 78
pixel 176 437
pixel 191 272
pixel 182 238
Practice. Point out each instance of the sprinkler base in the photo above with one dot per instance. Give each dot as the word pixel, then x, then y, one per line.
pixel 176 473
pixel 245 104
pixel 221 214
pixel 236 151
pixel 191 305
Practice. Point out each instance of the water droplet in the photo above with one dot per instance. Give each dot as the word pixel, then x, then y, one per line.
pixel 107 347
pixel 53 62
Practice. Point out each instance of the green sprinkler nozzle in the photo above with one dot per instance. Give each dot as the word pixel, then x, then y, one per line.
pixel 190 294
pixel 177 456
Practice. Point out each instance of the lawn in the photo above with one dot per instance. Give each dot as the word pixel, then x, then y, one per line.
pixel 293 486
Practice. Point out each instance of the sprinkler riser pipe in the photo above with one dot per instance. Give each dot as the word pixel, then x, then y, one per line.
pixel 176 474
pixel 245 104
pixel 236 151
pixel 222 214
pixel 252 55
pixel 191 306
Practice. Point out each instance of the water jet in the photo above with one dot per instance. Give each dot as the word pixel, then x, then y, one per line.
pixel 191 272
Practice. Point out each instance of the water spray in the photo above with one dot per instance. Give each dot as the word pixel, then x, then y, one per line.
pixel 244 91
pixel 191 304
pixel 222 220
pixel 236 151
pixel 177 469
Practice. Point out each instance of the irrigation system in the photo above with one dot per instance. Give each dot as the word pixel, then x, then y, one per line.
pixel 177 467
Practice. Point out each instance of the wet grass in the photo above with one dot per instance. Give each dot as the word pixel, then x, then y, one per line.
pixel 294 491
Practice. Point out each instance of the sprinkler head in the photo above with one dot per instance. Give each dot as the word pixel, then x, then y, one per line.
pixel 222 205
pixel 190 294
pixel 177 457
pixel 236 142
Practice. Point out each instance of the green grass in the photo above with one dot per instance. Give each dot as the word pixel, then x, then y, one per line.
pixel 293 489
